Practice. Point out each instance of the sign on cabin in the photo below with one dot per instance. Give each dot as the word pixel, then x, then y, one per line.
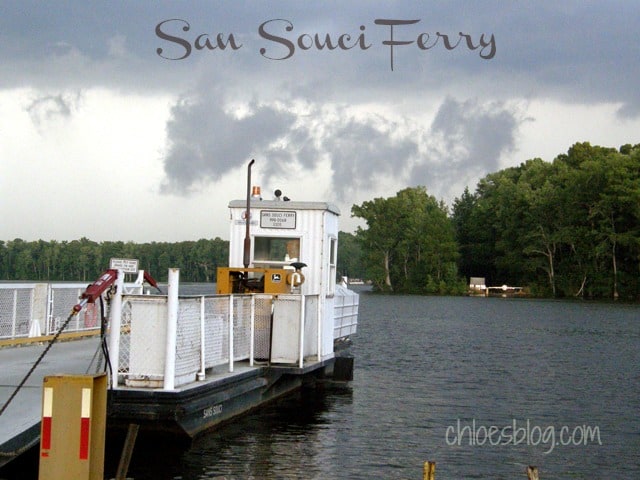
pixel 277 219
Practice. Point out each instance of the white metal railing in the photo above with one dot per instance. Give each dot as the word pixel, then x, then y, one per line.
pixel 345 314
pixel 165 341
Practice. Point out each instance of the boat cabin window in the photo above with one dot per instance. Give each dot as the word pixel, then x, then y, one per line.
pixel 333 262
pixel 276 251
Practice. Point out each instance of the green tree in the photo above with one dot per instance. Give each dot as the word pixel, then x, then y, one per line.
pixel 379 239
pixel 570 227
pixel 349 256
pixel 409 239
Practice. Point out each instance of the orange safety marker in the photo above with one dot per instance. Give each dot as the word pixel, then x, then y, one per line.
pixel 85 423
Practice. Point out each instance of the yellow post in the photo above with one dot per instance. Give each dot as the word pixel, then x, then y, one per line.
pixel 532 472
pixel 72 432
pixel 429 471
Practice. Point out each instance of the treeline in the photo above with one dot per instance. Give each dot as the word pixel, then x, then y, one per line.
pixel 565 228
pixel 84 260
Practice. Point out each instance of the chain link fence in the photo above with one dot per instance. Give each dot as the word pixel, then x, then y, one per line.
pixel 16 305
pixel 203 333
pixel 35 309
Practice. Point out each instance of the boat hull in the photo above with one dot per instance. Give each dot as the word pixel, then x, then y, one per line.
pixel 190 411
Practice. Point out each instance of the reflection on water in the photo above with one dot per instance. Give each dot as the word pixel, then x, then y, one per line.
pixel 297 430
pixel 292 435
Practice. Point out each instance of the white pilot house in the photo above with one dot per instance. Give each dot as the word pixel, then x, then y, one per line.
pixel 294 249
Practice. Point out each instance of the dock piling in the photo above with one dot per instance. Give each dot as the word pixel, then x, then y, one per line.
pixel 127 451
pixel 532 473
pixel 429 471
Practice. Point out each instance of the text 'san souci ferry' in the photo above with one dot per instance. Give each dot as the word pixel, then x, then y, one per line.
pixel 278 320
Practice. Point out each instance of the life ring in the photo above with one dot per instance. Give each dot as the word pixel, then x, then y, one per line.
pixel 295 279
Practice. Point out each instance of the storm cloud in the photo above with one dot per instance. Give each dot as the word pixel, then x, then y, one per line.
pixel 363 150
pixel 469 138
pixel 205 141
pixel 84 83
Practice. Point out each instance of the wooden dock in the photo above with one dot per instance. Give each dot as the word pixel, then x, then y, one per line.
pixel 20 422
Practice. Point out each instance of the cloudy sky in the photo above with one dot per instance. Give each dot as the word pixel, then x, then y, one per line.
pixel 135 120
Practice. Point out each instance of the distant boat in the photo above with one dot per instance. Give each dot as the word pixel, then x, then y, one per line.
pixel 478 288
pixel 505 291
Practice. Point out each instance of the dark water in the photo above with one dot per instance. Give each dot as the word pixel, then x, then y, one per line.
pixel 423 364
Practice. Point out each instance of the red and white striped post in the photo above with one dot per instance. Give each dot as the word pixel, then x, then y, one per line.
pixel 72 433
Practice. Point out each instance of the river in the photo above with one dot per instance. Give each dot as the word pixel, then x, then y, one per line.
pixel 482 386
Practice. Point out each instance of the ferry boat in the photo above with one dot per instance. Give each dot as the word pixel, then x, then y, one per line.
pixel 278 320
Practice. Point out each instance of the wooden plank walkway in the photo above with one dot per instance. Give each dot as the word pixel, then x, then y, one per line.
pixel 20 422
